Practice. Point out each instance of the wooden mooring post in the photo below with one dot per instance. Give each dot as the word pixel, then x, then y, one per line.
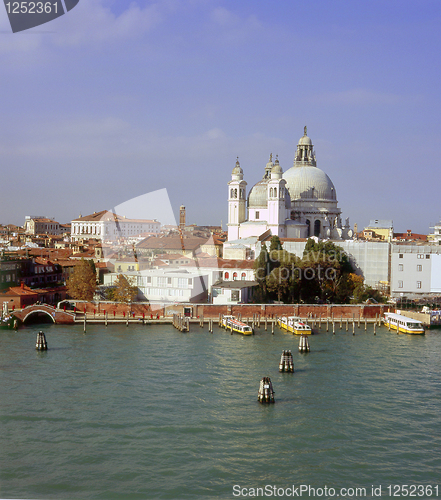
pixel 41 344
pixel 266 391
pixel 286 362
pixel 304 344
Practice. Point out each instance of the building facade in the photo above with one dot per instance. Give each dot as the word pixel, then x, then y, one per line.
pixel 107 226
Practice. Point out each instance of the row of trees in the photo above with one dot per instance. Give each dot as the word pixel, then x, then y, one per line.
pixel 82 285
pixel 324 274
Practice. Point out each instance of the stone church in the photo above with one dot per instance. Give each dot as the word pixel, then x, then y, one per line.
pixel 298 203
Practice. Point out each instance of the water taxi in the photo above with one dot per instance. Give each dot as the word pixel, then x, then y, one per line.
pixel 231 323
pixel 403 324
pixel 294 325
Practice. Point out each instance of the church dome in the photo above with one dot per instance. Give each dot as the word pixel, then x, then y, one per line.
pixel 309 182
pixel 257 196
pixel 305 141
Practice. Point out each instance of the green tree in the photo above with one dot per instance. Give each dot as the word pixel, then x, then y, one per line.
pixel 81 284
pixel 261 271
pixel 123 290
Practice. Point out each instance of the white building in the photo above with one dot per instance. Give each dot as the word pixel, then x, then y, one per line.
pixel 415 270
pixel 107 226
pixel 299 203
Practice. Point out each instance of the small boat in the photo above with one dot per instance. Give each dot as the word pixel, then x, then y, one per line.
pixel 403 324
pixel 233 324
pixel 294 325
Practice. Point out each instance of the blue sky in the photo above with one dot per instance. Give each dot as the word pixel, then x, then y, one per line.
pixel 117 99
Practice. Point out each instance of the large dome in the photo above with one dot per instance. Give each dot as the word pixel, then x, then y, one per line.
pixel 309 182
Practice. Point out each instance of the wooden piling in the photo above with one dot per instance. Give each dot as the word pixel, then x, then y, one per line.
pixel 286 362
pixel 266 392
pixel 347 324
pixel 365 324
pixel 266 323
pixel 41 344
pixel 375 326
pixel 85 321
pixel 341 322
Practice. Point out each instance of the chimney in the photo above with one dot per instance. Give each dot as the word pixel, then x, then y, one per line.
pixel 22 285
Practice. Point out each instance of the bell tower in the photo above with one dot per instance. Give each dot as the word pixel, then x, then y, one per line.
pixel 236 202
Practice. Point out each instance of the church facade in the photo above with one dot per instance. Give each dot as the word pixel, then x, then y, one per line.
pixel 298 203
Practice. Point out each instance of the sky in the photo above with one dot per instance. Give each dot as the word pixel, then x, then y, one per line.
pixel 117 99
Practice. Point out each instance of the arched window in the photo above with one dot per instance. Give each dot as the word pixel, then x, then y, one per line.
pixel 243 276
pixel 235 193
pixel 317 228
pixel 275 192
pixel 234 276
pixel 226 276
pixel 308 223
pixel 271 192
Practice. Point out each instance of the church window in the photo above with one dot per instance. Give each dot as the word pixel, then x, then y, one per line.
pixel 317 228
pixel 257 214
pixel 243 276
pixel 227 276
pixel 271 192
pixel 231 193
pixel 234 276
pixel 308 232
pixel 275 192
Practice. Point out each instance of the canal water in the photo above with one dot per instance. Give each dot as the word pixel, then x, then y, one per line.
pixel 147 412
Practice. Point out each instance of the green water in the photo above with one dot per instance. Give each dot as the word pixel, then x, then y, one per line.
pixel 144 412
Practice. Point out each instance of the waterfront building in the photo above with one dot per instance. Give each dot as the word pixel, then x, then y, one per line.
pixel 298 203
pixel 108 226
pixel 415 270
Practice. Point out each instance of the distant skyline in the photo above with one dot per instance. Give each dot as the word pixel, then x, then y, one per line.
pixel 117 99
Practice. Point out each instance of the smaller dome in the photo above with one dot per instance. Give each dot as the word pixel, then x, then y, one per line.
pixel 237 169
pixel 257 196
pixel 276 171
pixel 305 141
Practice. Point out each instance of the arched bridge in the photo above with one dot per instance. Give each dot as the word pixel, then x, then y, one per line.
pixel 58 316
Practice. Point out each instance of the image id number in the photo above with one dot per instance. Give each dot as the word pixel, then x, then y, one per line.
pixel 31 7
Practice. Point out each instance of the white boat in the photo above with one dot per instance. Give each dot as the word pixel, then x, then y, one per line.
pixel 403 324
pixel 294 325
pixel 233 324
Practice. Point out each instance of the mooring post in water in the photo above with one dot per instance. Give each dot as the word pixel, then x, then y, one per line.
pixel 272 327
pixel 375 327
pixel 358 325
pixel 341 322
pixel 333 327
pixel 41 344
pixel 347 324
pixel 303 344
pixel 85 321
pixel 266 392
pixel 353 328
pixel 365 324
pixel 327 324
pixel 286 362
pixel 105 318
pixel 266 323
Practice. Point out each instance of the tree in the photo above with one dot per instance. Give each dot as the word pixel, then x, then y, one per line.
pixel 124 291
pixel 81 284
pixel 261 271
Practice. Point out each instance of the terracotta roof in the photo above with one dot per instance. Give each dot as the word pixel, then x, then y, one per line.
pixel 171 242
pixel 110 216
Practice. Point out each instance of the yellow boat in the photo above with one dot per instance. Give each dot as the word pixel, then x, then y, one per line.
pixel 294 325
pixel 403 324
pixel 231 323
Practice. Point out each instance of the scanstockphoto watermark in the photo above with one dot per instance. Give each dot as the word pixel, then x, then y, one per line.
pixel 284 273
pixel 301 490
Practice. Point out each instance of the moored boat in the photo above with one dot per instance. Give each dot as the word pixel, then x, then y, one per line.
pixel 231 323
pixel 403 324
pixel 294 325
